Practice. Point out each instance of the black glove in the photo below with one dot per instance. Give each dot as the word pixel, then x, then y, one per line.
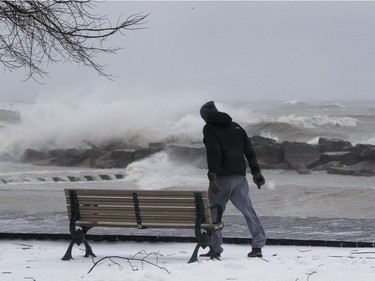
pixel 213 182
pixel 259 179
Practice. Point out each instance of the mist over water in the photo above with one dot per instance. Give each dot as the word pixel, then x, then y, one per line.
pixel 46 125
pixel 307 122
pixel 99 120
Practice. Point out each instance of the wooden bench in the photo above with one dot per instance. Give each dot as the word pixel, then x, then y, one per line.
pixel 142 209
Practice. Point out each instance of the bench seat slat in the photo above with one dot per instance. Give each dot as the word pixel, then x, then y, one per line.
pixel 146 225
pixel 156 220
pixel 132 214
pixel 98 200
pixel 127 201
pixel 121 198
pixel 121 217
pixel 140 193
pixel 144 207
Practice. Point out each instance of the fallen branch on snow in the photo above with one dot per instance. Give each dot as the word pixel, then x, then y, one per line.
pixel 132 259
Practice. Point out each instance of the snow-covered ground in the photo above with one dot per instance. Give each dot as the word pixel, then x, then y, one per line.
pixel 32 260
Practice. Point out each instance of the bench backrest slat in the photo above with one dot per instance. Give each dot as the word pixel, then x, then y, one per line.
pixel 129 202
pixel 128 193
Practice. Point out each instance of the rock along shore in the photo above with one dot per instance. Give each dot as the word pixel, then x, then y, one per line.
pixel 332 155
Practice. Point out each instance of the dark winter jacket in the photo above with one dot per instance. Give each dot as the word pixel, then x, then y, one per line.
pixel 227 145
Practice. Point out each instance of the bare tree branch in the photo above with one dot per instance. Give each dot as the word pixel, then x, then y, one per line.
pixel 130 260
pixel 34 34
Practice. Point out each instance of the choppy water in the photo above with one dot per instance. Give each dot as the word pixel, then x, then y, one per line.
pixel 286 193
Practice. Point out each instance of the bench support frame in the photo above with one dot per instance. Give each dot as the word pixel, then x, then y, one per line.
pixel 203 236
pixel 79 235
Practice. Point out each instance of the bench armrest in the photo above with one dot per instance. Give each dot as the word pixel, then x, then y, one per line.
pixel 219 212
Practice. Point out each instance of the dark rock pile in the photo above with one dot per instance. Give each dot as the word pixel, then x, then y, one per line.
pixel 334 156
pixel 90 157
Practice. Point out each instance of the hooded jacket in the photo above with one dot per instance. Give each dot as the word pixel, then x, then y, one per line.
pixel 227 146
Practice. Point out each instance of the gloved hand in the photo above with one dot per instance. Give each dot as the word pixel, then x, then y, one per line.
pixel 259 179
pixel 213 182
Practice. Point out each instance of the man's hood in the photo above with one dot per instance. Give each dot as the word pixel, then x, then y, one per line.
pixel 211 115
pixel 219 118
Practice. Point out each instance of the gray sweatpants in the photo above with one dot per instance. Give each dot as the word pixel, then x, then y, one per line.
pixel 236 189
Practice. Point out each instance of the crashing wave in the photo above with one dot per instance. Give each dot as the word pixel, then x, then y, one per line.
pixel 318 121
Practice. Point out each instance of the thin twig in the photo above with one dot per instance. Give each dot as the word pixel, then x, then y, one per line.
pixel 35 34
pixel 303 251
pixel 309 274
pixel 131 259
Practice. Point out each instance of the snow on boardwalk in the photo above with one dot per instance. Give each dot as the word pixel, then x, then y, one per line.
pixel 31 260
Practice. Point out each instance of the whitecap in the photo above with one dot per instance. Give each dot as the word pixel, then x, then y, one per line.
pixel 318 121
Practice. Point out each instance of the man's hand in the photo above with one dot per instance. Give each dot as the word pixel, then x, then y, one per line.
pixel 214 187
pixel 213 182
pixel 259 179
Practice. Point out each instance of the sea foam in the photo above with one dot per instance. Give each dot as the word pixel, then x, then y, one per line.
pixel 318 121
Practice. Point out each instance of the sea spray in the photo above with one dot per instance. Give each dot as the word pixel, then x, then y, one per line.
pixel 99 119
pixel 64 125
pixel 162 171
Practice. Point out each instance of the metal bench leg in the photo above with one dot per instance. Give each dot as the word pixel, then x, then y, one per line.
pixel 89 251
pixel 202 237
pixel 204 241
pixel 79 238
pixel 194 256
pixel 68 254
pixel 83 240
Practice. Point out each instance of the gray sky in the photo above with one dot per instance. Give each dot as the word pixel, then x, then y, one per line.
pixel 230 51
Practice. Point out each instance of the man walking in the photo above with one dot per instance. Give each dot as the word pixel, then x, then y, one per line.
pixel 227 146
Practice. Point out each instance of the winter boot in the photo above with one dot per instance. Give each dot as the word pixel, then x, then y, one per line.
pixel 255 253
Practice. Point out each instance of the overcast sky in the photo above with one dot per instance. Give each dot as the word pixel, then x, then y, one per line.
pixel 229 51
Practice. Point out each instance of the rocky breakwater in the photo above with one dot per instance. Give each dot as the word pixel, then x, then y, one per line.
pixel 333 155
pixel 101 158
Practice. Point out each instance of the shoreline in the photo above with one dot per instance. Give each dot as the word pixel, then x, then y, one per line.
pixel 286 193
pixel 318 209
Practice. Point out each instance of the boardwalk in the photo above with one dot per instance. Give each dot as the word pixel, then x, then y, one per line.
pixel 284 230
